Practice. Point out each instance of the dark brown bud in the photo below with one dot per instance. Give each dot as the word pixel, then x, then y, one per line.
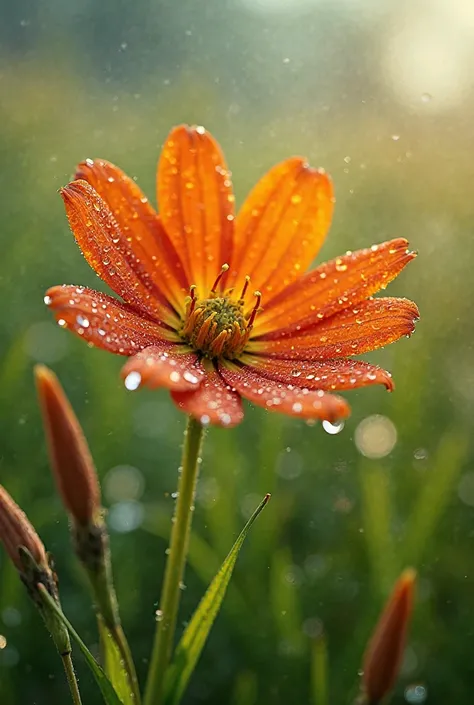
pixel 69 453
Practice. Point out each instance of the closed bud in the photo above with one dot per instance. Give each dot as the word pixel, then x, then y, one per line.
pixel 384 652
pixel 17 533
pixel 69 453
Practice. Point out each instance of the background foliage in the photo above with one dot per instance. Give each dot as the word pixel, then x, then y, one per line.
pixel 381 95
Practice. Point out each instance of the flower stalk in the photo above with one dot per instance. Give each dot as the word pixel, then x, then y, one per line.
pixel 175 564
pixel 35 568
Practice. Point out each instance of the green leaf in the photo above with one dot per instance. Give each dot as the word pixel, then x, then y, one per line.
pixel 114 665
pixel 106 688
pixel 192 642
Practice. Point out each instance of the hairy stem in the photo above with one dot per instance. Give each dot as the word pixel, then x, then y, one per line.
pixel 71 678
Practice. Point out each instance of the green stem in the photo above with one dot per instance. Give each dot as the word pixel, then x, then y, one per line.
pixel 71 679
pixel 171 590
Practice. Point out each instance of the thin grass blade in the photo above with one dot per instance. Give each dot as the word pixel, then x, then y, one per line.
pixel 195 636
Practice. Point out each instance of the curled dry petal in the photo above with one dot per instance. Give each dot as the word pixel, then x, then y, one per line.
pixel 384 653
pixel 17 532
pixel 373 324
pixel 213 402
pixel 328 375
pixel 103 321
pixel 69 453
pixel 173 367
pixel 284 398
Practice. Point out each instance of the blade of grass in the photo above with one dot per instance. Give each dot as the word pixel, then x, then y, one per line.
pixel 436 493
pixel 192 642
pixel 376 517
pixel 319 672
pixel 114 665
pixel 109 695
pixel 285 603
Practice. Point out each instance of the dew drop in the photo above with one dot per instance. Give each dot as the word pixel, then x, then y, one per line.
pixel 82 321
pixel 47 300
pixel 159 615
pixel 189 377
pixel 133 381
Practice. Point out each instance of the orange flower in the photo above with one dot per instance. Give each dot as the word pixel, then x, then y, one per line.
pixel 193 281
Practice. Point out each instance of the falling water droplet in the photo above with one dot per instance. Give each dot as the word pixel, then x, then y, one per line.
pixel 333 428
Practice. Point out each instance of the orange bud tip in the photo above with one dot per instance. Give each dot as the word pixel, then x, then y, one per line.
pixel 69 453
pixel 384 652
pixel 18 534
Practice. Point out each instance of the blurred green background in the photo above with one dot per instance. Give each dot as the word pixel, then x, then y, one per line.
pixel 380 93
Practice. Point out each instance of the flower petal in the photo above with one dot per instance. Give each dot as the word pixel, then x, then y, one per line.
pixel 373 324
pixel 196 203
pixel 167 365
pixel 328 375
pixel 340 283
pixel 282 225
pixel 212 402
pixel 108 251
pixel 103 321
pixel 140 224
pixel 284 398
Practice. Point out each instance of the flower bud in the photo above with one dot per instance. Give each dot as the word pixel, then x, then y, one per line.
pixel 69 453
pixel 384 652
pixel 16 533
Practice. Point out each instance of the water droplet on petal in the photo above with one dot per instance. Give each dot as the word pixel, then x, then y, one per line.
pixel 133 381
pixel 82 321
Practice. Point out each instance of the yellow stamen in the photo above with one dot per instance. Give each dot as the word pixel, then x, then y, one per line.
pixel 218 326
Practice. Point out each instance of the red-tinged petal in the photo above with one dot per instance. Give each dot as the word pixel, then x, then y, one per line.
pixel 284 398
pixel 282 225
pixel 141 225
pixel 170 366
pixel 333 286
pixel 105 322
pixel 328 375
pixel 196 203
pixel 212 402
pixel 108 251
pixel 373 324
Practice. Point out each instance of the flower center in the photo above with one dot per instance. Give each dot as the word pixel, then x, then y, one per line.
pixel 217 326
